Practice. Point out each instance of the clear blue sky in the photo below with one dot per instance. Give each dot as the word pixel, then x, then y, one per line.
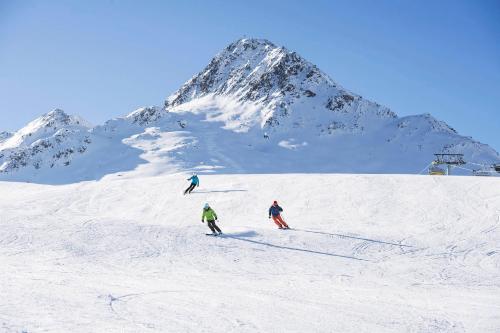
pixel 103 59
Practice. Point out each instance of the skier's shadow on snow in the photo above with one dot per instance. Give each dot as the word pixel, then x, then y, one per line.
pixel 218 191
pixel 354 237
pixel 242 234
pixel 251 234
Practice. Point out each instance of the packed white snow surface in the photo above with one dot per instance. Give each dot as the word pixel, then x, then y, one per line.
pixel 367 253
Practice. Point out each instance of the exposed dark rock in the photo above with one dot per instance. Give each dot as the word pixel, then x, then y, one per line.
pixel 338 102
pixel 309 93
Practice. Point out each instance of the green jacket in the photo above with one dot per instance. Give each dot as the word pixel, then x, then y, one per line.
pixel 208 214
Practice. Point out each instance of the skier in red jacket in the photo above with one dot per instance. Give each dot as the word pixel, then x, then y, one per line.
pixel 275 211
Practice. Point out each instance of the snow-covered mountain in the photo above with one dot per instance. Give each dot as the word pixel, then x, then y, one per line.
pixel 256 108
pixel 288 91
pixel 47 141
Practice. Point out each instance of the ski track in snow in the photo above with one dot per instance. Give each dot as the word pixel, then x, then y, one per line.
pixel 367 253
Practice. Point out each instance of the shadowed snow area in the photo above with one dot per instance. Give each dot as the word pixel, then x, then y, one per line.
pixel 367 253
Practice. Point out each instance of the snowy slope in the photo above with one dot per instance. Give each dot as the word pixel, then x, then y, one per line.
pixel 256 108
pixel 369 253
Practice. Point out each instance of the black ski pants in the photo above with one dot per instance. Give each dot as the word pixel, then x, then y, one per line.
pixel 213 226
pixel 190 188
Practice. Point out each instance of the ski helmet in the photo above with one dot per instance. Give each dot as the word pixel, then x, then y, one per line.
pixel 206 206
pixel 275 202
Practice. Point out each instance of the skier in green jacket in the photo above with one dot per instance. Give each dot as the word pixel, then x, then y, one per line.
pixel 210 215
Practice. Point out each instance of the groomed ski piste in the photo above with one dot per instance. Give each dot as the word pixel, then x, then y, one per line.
pixel 367 253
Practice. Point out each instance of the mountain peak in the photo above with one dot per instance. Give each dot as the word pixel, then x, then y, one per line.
pixel 58 117
pixel 146 115
pixel 255 70
pixel 49 140
pixel 284 89
pixel 44 126
pixel 57 112
pixel 250 44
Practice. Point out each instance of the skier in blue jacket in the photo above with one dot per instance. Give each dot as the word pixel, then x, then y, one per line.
pixel 275 212
pixel 194 182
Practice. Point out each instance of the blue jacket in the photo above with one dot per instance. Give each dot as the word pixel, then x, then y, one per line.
pixel 194 180
pixel 275 210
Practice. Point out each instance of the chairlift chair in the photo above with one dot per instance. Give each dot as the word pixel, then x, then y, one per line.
pixel 481 172
pixel 436 171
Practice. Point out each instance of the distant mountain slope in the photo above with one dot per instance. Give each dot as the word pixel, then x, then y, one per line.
pixel 61 148
pixel 256 108
pixel 45 142
pixel 254 86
